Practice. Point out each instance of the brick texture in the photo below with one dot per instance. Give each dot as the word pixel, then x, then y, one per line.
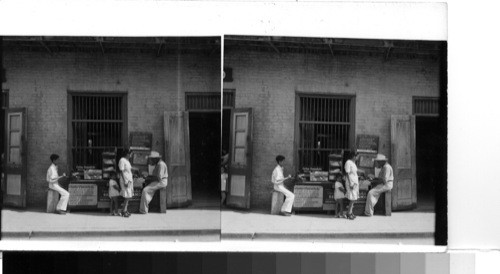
pixel 267 82
pixel 40 82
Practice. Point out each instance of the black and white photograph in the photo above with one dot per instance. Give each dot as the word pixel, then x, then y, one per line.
pixel 111 138
pixel 334 140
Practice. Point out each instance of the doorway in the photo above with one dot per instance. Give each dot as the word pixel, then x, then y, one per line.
pixel 430 156
pixel 226 127
pixel 205 142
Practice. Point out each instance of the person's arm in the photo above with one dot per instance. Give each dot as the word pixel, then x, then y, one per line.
pixel 115 185
pixel 342 189
pixel 348 170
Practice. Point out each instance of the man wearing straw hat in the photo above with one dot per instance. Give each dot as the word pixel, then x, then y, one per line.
pixel 385 180
pixel 160 180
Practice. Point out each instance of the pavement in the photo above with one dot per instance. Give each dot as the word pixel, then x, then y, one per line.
pixel 400 228
pixel 196 224
pixel 175 225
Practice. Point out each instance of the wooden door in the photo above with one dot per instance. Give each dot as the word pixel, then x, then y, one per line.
pixel 240 163
pixel 404 193
pixel 176 129
pixel 14 185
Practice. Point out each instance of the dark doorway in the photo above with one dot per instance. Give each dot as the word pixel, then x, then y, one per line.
pixel 430 153
pixel 226 127
pixel 205 141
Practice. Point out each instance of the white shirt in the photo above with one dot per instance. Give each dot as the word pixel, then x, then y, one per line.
pixel 126 169
pixel 161 171
pixel 387 175
pixel 52 175
pixel 352 172
pixel 277 175
pixel 113 192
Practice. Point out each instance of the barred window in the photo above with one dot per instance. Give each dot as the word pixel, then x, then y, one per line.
pixel 325 125
pixel 426 106
pixel 97 125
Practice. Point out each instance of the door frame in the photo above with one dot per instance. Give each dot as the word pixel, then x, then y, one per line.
pixel 170 203
pixel 249 150
pixel 24 158
pixel 394 196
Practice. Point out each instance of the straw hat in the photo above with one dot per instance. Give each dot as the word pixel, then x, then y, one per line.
pixel 380 158
pixel 154 155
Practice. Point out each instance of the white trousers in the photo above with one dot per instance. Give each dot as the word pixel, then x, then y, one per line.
pixel 148 193
pixel 372 198
pixel 63 201
pixel 287 205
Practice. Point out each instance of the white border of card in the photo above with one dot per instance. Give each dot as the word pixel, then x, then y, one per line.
pixel 403 20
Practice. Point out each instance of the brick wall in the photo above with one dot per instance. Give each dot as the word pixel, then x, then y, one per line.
pixel 267 82
pixel 39 81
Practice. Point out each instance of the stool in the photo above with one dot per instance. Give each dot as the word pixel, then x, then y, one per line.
pixel 52 200
pixel 277 202
pixel 388 203
pixel 159 201
pixel 163 200
pixel 384 204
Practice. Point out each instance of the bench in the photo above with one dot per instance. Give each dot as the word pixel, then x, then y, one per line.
pixel 52 200
pixel 276 202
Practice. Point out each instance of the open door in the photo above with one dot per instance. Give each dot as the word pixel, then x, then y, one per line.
pixel 176 129
pixel 14 187
pixel 240 163
pixel 404 193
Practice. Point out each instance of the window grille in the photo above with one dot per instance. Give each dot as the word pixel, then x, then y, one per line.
pixel 96 126
pixel 426 106
pixel 325 126
pixel 208 100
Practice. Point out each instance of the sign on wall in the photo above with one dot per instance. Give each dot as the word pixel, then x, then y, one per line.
pixel 367 143
pixel 141 140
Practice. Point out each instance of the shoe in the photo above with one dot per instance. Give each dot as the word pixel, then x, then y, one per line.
pixel 60 212
pixel 283 213
pixel 351 217
pixel 366 215
pixel 142 212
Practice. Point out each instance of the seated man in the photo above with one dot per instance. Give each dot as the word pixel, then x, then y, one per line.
pixel 53 179
pixel 160 180
pixel 384 180
pixel 278 180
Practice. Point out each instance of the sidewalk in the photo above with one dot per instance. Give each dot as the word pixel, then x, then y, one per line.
pixel 401 227
pixel 195 224
pixel 175 225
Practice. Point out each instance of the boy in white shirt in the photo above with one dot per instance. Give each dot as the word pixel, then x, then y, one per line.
pixel 53 179
pixel 278 180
